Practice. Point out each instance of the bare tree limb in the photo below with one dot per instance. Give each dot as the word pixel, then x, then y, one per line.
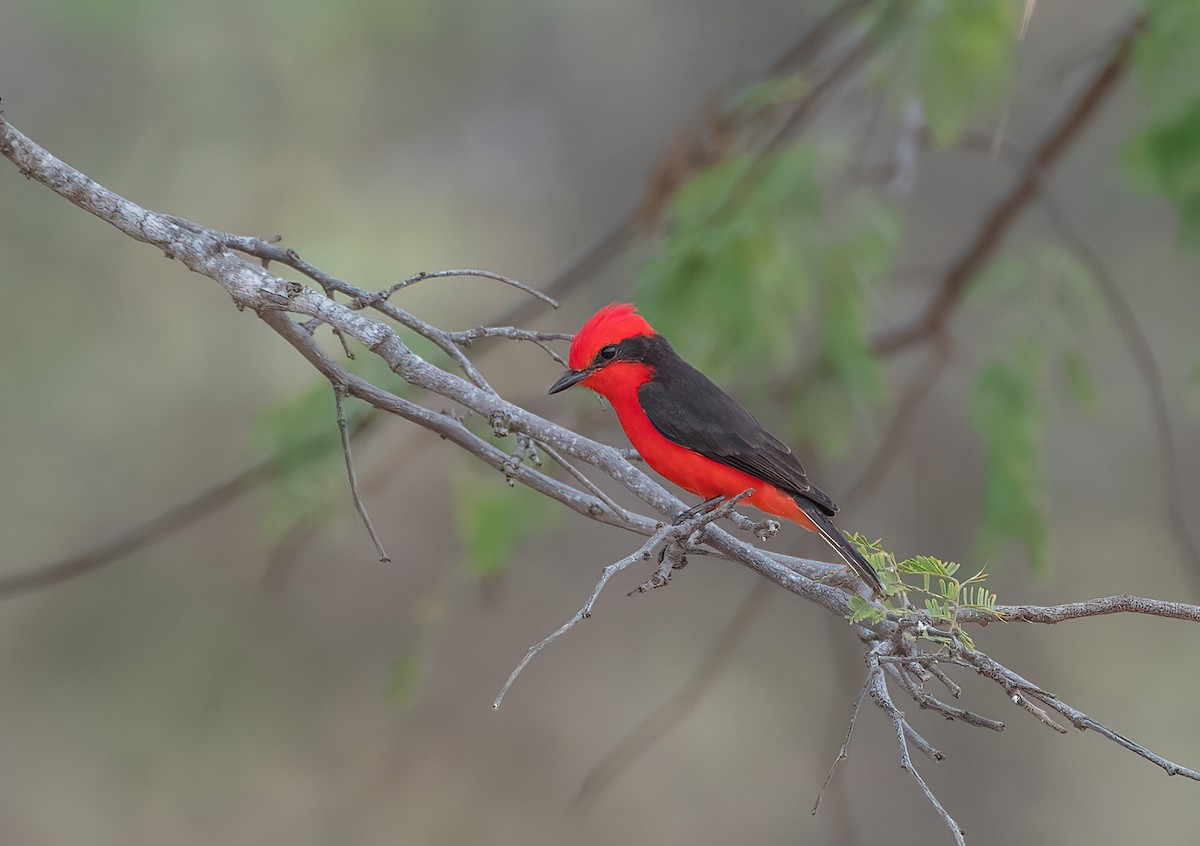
pixel 344 430
pixel 482 274
pixel 844 751
pixel 664 537
pixel 1123 604
pixel 877 687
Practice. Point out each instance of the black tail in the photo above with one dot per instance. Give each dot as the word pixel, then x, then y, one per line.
pixel 848 551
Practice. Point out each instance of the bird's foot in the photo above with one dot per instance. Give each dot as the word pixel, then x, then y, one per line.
pixel 764 530
pixel 696 511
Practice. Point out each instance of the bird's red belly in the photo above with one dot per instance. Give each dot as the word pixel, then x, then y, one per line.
pixel 700 475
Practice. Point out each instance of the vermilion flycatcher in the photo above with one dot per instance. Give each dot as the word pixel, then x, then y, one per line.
pixel 692 432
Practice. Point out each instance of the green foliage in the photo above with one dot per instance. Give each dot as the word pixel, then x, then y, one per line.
pixel 1007 412
pixel 1165 156
pixel 850 377
pixel 733 261
pixel 493 518
pixel 1043 305
pixel 955 57
pixel 936 580
pixel 755 277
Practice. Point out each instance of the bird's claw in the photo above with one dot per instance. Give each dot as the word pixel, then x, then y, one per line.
pixel 697 510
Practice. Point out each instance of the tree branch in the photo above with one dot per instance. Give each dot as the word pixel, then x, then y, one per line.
pixel 344 431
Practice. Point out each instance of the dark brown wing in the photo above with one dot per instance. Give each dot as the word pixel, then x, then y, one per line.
pixel 688 409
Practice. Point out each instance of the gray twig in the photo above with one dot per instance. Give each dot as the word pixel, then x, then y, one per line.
pixel 665 534
pixel 442 274
pixel 339 394
pixel 844 751
pixel 879 693
pixel 466 336
pixel 932 703
pixel 584 480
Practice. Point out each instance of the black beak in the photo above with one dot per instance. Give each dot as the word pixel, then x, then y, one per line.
pixel 571 377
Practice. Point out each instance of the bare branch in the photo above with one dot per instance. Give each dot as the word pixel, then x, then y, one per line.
pixel 1020 689
pixel 642 554
pixel 950 712
pixel 877 687
pixel 844 751
pixel 584 480
pixel 1050 614
pixel 443 274
pixel 664 536
pixel 467 336
pixel 339 394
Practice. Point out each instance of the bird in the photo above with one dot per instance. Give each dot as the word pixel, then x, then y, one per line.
pixel 693 433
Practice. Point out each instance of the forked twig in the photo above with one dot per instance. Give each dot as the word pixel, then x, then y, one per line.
pixel 877 687
pixel 482 274
pixel 844 751
pixel 665 534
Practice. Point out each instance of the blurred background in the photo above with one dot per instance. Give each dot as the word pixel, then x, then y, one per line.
pixel 255 676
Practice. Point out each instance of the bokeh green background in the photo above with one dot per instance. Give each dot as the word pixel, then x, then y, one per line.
pixel 172 699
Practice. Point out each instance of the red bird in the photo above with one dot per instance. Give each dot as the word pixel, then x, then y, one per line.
pixel 692 432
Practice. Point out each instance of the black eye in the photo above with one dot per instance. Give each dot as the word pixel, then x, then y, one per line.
pixel 609 352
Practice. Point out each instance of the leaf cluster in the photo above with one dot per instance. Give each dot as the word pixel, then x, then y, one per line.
pixel 945 593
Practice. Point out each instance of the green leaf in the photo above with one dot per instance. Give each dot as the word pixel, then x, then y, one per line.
pixel 1166 158
pixel 732 260
pixel 1166 155
pixel 927 564
pixel 493 518
pixel 863 611
pixel 1007 413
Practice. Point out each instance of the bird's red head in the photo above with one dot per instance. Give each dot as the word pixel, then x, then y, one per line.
pixel 594 358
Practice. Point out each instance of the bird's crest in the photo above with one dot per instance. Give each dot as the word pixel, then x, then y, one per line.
pixel 610 325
